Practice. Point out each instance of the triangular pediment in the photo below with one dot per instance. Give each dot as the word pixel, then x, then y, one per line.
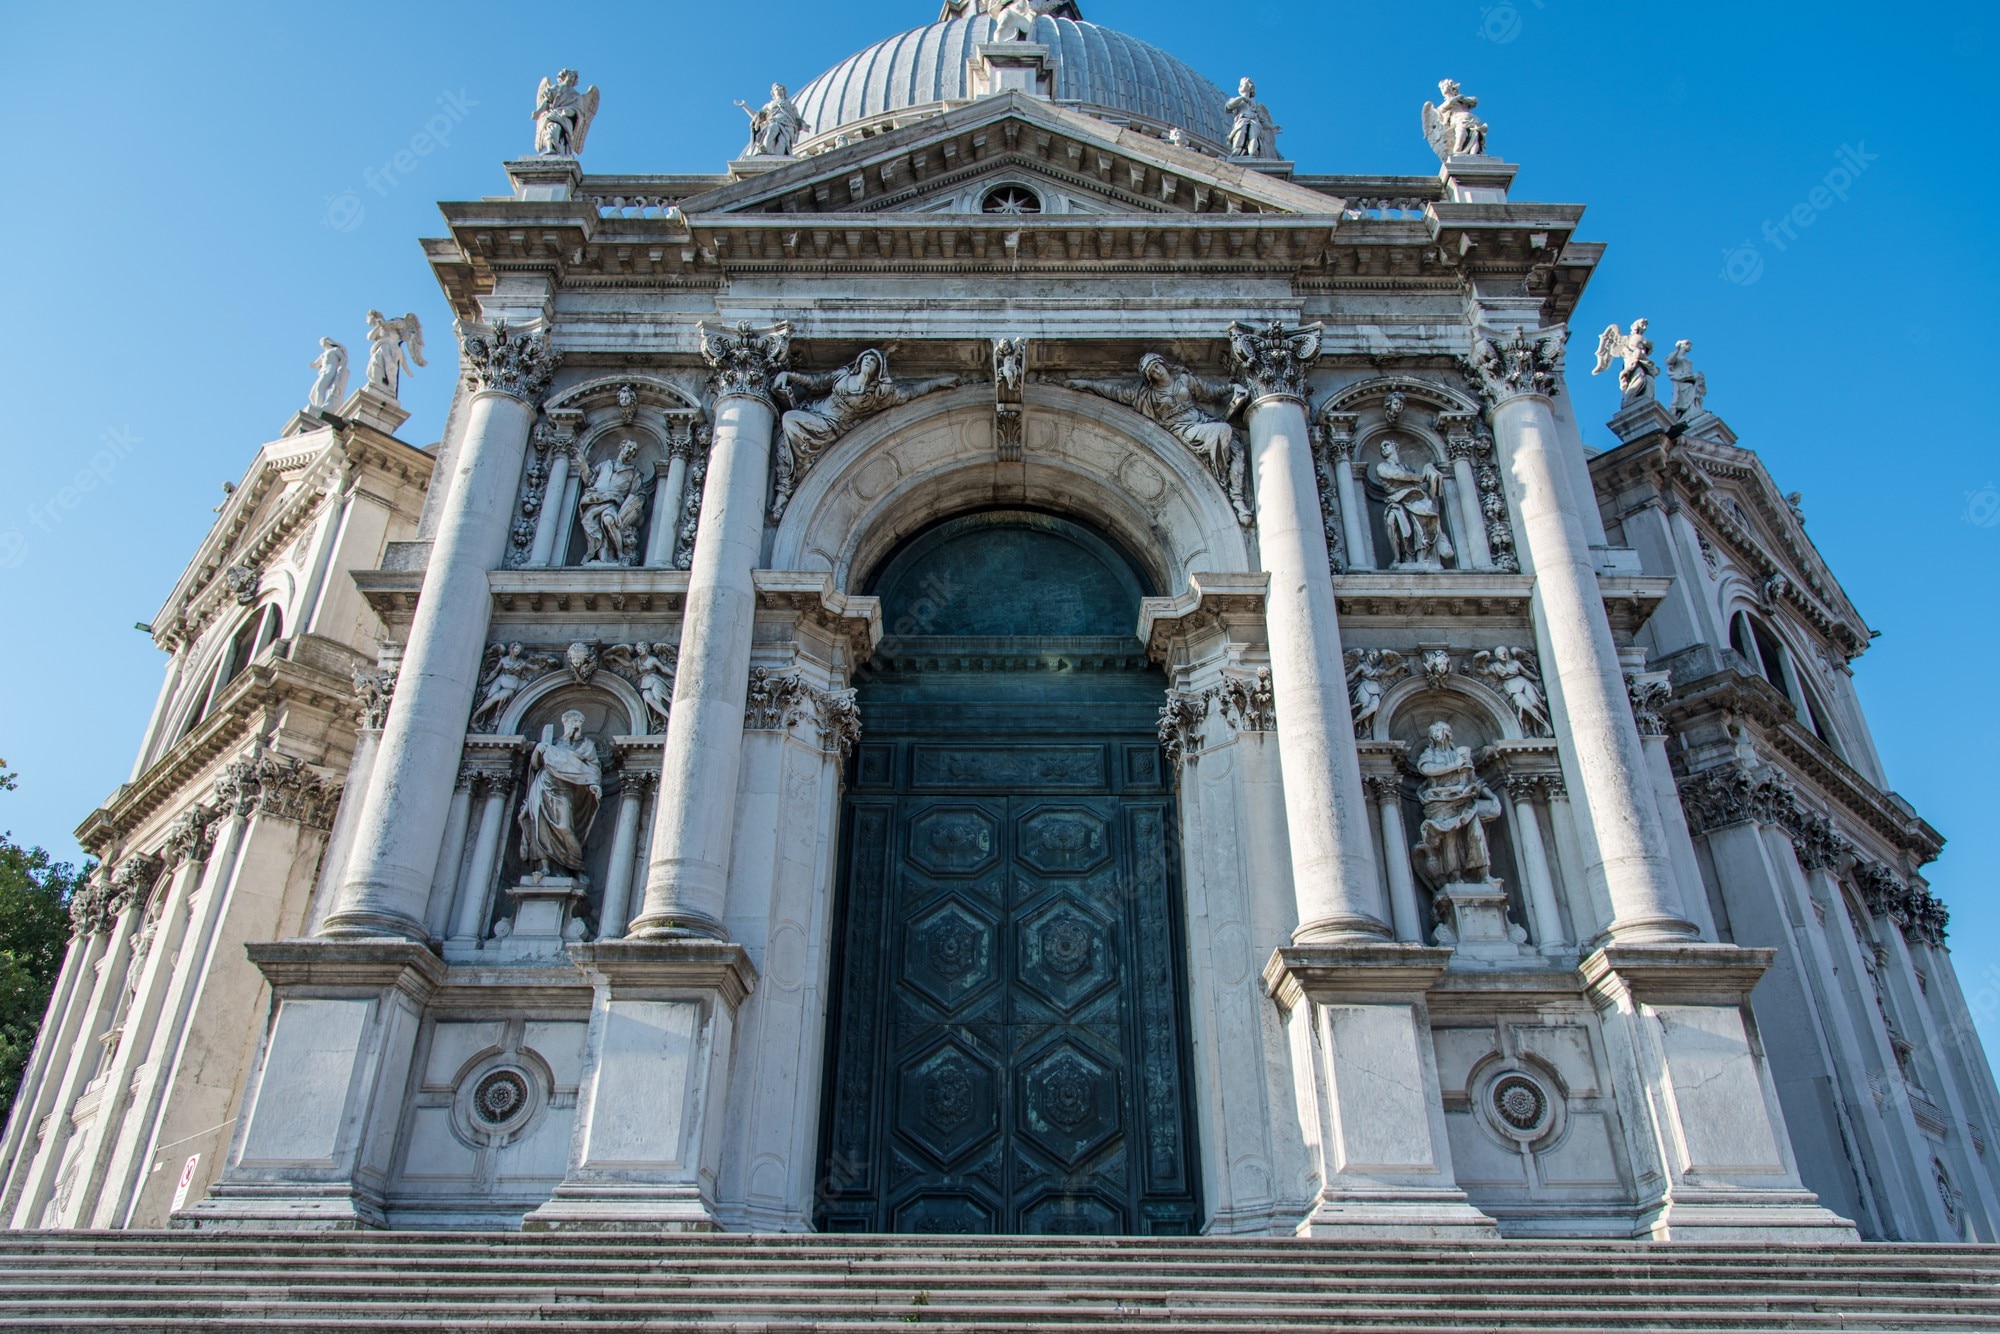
pixel 1073 161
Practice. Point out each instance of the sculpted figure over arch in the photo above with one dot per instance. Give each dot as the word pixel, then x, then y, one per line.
pixel 826 407
pixel 1180 400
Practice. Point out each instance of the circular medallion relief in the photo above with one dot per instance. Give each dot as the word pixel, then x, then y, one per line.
pixel 1521 1105
pixel 500 1097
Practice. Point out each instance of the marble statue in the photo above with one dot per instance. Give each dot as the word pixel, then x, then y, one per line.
pixel 1457 808
pixel 610 509
pixel 1690 385
pixel 1014 20
pixel 1010 357
pixel 1411 514
pixel 1370 673
pixel 654 665
pixel 774 127
pixel 1636 378
pixel 1450 126
pixel 1254 133
pixel 565 785
pixel 508 668
pixel 563 114
pixel 1174 396
pixel 826 407
pixel 329 387
pixel 393 345
pixel 1512 672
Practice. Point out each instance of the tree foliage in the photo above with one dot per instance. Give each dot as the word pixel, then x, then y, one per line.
pixel 34 933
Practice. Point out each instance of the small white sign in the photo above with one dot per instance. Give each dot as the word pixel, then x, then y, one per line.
pixel 187 1179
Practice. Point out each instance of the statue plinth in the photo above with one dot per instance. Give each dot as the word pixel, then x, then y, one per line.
pixel 1016 67
pixel 1472 919
pixel 547 177
pixel 546 918
pixel 1637 420
pixel 373 408
pixel 1476 178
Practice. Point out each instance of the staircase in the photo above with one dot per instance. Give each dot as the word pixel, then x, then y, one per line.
pixel 444 1283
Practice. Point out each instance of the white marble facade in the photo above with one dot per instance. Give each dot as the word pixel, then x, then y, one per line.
pixel 1681 978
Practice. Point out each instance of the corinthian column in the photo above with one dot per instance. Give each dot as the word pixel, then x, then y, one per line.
pixel 688 875
pixel 403 813
pixel 1333 861
pixel 1519 379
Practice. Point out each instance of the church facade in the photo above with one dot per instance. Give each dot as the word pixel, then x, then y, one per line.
pixel 1013 663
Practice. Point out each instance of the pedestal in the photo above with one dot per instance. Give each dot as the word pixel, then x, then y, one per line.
pixel 547 918
pixel 648 1119
pixel 1000 67
pixel 1472 920
pixel 1637 420
pixel 319 1120
pixel 1708 1140
pixel 371 407
pixel 1359 1021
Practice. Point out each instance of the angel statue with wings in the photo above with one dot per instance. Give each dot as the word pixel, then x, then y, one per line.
pixel 1370 673
pixel 507 668
pixel 1512 671
pixel 1450 126
pixel 654 665
pixel 563 114
pixel 392 346
pixel 1636 379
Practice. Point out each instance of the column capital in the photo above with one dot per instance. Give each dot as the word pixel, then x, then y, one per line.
pixel 516 362
pixel 1520 365
pixel 744 360
pixel 1272 361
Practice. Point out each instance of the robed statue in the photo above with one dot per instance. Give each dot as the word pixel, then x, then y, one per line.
pixel 1252 133
pixel 563 113
pixel 1635 379
pixel 1457 808
pixel 826 407
pixel 565 785
pixel 775 127
pixel 329 386
pixel 392 346
pixel 1450 126
pixel 1194 410
pixel 610 508
pixel 1411 512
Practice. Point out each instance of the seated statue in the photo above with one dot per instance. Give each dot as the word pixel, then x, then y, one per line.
pixel 1457 808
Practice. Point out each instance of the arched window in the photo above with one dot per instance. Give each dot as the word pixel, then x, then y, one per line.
pixel 1011 199
pixel 1760 648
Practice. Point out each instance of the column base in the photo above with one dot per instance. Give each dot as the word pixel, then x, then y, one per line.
pixel 648 1138
pixel 242 1206
pixel 1359 1021
pixel 1775 1216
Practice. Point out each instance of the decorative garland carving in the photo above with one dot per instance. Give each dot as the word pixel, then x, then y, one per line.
pixel 1334 450
pixel 554 437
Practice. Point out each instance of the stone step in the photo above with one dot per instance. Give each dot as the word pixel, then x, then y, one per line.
pixel 354 1283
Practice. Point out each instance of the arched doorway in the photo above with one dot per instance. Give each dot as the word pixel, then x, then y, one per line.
pixel 1008 1039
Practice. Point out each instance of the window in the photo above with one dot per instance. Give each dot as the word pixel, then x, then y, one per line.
pixel 1011 199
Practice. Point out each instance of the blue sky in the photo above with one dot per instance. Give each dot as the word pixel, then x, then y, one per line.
pixel 183 228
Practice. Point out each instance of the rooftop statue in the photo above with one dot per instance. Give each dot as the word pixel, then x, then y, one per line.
pixel 1635 381
pixel 329 387
pixel 1451 127
pixel 958 9
pixel 1690 385
pixel 1254 134
pixel 774 127
pixel 392 346
pixel 562 115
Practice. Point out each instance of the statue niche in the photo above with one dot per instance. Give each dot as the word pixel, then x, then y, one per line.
pixel 1406 503
pixel 615 500
pixel 1462 844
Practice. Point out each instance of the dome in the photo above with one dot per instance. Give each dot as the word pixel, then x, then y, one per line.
pixel 1100 71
